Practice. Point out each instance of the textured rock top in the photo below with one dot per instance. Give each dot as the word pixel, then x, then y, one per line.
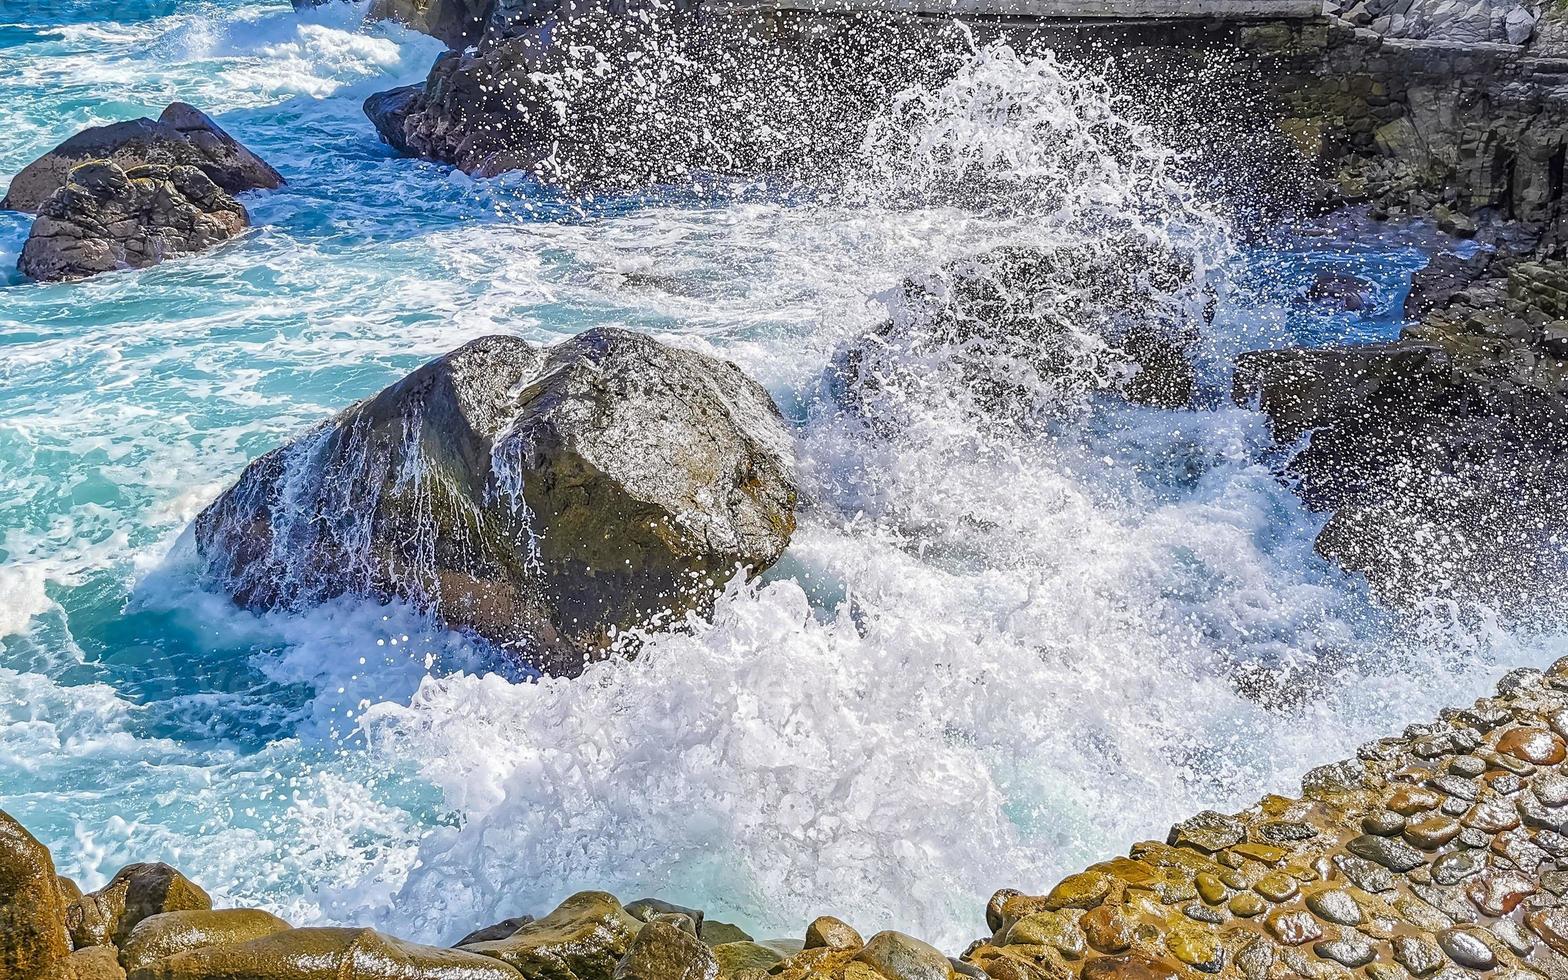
pixel 1438 853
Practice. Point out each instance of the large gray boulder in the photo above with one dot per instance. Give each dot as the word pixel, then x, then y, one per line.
pixel 549 499
pixel 181 136
pixel 457 22
pixel 107 218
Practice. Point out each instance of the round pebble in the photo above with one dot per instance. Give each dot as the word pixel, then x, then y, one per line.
pixel 1293 927
pixel 1383 823
pixel 1336 905
pixel 1432 831
pixel 1276 886
pixel 1467 949
pixel 1534 745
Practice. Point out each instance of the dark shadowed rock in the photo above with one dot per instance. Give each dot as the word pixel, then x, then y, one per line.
pixel 1027 328
pixel 32 917
pixel 325 954
pixel 1439 453
pixel 549 499
pixel 107 218
pixel 182 136
pixel 499 930
pixel 388 112
pixel 457 22
pixel 136 891
pixel 168 933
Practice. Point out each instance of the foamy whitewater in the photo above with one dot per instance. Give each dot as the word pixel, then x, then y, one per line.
pixel 994 652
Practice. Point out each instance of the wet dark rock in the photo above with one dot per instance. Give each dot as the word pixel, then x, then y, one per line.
pixel 183 136
pixel 498 930
pixel 647 909
pixel 547 499
pixel 1467 949
pixel 1417 955
pixel 584 938
pixel 325 954
pixel 136 892
pixel 1208 831
pixel 168 933
pixel 1335 905
pixel 1392 854
pixel 388 112
pixel 32 917
pixel 1350 949
pixel 106 218
pixel 1445 435
pixel 1027 329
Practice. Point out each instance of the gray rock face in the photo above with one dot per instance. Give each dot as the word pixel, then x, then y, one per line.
pixel 534 96
pixel 1029 326
pixel 107 218
pixel 181 136
pixel 1439 453
pixel 388 112
pixel 457 22
pixel 548 499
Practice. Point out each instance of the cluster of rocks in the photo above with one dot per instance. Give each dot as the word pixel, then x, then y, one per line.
pixel 131 194
pixel 1442 854
pixel 1454 21
pixel 552 500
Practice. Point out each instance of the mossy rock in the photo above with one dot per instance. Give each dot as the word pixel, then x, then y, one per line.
pixel 32 916
pixel 168 933
pixel 583 939
pixel 325 954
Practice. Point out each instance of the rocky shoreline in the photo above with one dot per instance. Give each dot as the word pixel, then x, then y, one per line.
pixel 1441 853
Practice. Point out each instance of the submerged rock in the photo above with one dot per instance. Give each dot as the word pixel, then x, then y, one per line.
pixel 549 499
pixel 1030 328
pixel 182 136
pixel 325 954
pixel 32 916
pixel 106 218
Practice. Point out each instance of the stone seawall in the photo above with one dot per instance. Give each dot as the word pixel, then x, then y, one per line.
pixel 1440 853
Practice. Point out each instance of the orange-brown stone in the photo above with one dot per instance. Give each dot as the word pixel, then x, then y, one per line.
pixel 1534 745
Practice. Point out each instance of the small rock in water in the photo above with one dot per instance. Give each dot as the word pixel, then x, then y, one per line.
pixel 106 218
pixel 499 930
pixel 1467 948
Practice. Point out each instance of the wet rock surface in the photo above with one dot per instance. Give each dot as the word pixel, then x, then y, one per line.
pixel 549 499
pixel 182 136
pixel 1030 327
pixel 106 218
pixel 1439 453
pixel 32 913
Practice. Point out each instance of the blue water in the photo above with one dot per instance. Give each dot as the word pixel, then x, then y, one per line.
pixel 980 664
